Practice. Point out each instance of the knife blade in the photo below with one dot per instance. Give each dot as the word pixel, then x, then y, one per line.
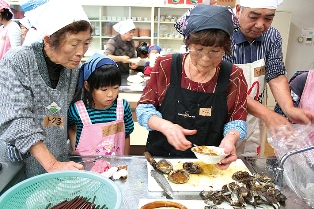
pixel 159 176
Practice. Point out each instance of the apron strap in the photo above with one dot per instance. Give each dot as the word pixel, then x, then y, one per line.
pixel 83 113
pixel 120 109
pixel 176 70
pixel 223 78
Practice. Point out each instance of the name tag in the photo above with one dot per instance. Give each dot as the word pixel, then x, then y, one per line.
pixel 112 129
pixel 53 120
pixel 205 111
pixel 258 71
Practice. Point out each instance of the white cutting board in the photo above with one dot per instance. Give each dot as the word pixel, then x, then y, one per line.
pixel 210 177
pixel 198 204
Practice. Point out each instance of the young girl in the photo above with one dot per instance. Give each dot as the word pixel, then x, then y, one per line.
pixel 101 123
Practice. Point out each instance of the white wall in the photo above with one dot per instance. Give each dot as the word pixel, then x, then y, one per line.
pixel 300 56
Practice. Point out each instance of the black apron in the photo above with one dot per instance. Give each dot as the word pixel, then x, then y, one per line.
pixel 182 106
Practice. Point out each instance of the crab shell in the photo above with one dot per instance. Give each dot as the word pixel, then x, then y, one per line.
pixel 180 176
pixel 164 166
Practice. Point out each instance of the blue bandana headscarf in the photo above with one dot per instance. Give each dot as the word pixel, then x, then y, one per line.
pixel 154 47
pixel 204 17
pixel 94 62
pixel 29 5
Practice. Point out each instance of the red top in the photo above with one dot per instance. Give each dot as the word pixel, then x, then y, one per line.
pixel 156 87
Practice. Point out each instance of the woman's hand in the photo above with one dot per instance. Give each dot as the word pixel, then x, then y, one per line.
pixel 228 143
pixel 124 59
pixel 133 65
pixel 49 162
pixel 176 136
pixel 60 166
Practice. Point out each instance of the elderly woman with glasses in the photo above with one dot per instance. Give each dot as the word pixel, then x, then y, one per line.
pixel 195 97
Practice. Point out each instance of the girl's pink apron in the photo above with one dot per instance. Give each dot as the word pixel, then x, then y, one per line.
pixel 5 44
pixel 104 138
pixel 307 99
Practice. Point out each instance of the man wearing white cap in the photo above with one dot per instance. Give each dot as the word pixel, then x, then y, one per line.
pixel 121 47
pixel 37 85
pixel 257 49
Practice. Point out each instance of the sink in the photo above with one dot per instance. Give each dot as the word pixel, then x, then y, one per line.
pixel 11 174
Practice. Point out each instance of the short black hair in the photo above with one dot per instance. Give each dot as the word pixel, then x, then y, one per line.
pixel 106 75
pixel 6 14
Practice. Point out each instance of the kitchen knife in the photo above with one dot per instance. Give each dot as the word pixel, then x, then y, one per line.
pixel 159 176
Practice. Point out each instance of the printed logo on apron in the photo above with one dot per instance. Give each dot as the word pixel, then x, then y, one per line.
pixel 254 74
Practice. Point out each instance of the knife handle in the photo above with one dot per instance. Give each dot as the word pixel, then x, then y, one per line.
pixel 149 158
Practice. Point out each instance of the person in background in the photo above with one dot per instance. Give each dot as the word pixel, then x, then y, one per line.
pixel 302 91
pixel 25 27
pixel 257 49
pixel 142 50
pixel 121 47
pixel 28 31
pixel 153 53
pixel 37 85
pixel 101 123
pixel 195 97
pixel 10 32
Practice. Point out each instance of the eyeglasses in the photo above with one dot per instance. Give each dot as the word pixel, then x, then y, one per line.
pixel 211 54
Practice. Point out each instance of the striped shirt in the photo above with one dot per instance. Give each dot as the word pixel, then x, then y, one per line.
pixel 268 46
pixel 100 116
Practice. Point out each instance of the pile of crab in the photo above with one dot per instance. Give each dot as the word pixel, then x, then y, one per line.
pixel 246 190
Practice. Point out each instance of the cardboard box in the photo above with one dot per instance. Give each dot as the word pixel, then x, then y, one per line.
pixel 193 1
pixel 230 3
pixel 175 1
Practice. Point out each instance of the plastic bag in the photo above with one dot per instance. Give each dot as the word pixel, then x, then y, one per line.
pixel 298 168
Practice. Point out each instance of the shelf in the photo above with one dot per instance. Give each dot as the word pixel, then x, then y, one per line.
pixel 175 39
pixel 165 22
pixel 142 37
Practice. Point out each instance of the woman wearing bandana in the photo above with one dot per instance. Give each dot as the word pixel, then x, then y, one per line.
pixel 101 123
pixel 121 47
pixel 195 97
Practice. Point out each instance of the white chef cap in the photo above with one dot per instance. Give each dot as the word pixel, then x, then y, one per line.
pixel 54 15
pixel 124 26
pixel 267 4
pixel 25 23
